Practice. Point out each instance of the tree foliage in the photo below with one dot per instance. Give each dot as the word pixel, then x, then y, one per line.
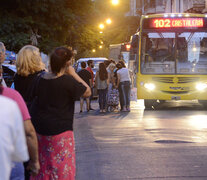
pixel 53 20
pixel 62 22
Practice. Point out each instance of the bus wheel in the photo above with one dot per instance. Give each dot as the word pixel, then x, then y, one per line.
pixel 161 101
pixel 203 102
pixel 149 104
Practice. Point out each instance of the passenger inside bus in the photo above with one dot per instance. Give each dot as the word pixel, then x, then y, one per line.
pixel 203 50
pixel 158 50
pixel 182 50
pixel 162 50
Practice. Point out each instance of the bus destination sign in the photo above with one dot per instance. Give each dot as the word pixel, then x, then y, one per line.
pixel 176 23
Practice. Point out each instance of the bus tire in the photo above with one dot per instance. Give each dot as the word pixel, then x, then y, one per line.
pixel 161 101
pixel 149 104
pixel 204 103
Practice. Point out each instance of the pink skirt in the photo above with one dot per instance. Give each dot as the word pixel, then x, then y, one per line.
pixel 57 157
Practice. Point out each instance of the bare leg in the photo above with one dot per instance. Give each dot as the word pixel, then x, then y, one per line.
pixel 88 104
pixel 81 104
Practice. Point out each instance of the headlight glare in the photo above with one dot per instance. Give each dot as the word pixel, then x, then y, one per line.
pixel 201 86
pixel 149 86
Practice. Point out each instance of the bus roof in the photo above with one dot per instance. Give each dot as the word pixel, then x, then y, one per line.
pixel 174 15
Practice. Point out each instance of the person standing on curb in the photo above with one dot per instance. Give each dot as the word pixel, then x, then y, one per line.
pixel 118 66
pixel 29 64
pixel 124 84
pixel 89 68
pixel 12 137
pixel 86 76
pixel 101 83
pixel 56 93
pixel 31 138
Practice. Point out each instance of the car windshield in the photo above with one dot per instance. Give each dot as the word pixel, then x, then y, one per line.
pixel 174 53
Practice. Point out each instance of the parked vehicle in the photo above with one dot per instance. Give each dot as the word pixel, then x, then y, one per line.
pixel 9 71
pixel 96 61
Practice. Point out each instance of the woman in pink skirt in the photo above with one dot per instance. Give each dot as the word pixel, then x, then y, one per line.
pixel 55 94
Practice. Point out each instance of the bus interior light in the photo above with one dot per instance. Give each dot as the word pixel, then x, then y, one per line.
pixel 149 86
pixel 201 86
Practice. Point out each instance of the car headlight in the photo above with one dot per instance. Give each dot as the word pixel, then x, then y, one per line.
pixel 201 86
pixel 149 86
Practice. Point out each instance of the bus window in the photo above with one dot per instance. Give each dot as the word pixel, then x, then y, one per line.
pixel 158 52
pixel 182 51
pixel 192 53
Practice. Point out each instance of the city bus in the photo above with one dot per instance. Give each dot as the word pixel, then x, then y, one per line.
pixel 172 58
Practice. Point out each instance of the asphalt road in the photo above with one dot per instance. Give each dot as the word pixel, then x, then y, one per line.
pixel 167 143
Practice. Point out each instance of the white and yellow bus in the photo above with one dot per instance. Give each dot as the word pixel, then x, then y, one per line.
pixel 172 58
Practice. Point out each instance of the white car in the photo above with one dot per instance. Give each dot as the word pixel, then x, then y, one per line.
pixel 9 71
pixel 96 62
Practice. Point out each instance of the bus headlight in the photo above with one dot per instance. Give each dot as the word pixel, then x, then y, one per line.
pixel 149 86
pixel 201 86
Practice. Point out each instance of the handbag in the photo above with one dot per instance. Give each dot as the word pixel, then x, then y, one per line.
pixel 113 97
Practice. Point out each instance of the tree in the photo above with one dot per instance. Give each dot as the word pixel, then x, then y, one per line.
pixel 62 22
pixel 52 20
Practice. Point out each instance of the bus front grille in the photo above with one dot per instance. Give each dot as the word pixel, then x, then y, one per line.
pixel 187 79
pixel 163 79
pixel 175 80
pixel 176 92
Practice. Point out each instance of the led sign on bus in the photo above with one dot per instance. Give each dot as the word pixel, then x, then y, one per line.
pixel 174 23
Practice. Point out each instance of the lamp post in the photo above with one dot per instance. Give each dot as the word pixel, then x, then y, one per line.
pixel 115 2
pixel 101 26
pixel 108 21
pixel 104 27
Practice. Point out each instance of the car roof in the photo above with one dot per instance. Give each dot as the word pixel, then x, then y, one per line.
pixel 10 66
pixel 92 58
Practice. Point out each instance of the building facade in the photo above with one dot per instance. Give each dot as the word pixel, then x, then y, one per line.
pixel 139 7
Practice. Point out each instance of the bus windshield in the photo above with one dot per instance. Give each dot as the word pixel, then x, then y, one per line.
pixel 183 52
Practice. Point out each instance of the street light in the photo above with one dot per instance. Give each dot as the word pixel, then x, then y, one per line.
pixel 101 26
pixel 108 21
pixel 93 50
pixel 100 46
pixel 115 2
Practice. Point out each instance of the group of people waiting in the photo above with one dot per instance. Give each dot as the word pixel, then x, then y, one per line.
pixel 37 116
pixel 111 81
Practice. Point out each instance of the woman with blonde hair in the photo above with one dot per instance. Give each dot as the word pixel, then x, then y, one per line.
pixel 29 65
pixel 110 70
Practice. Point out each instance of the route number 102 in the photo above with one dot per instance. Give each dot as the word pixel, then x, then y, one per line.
pixel 159 23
